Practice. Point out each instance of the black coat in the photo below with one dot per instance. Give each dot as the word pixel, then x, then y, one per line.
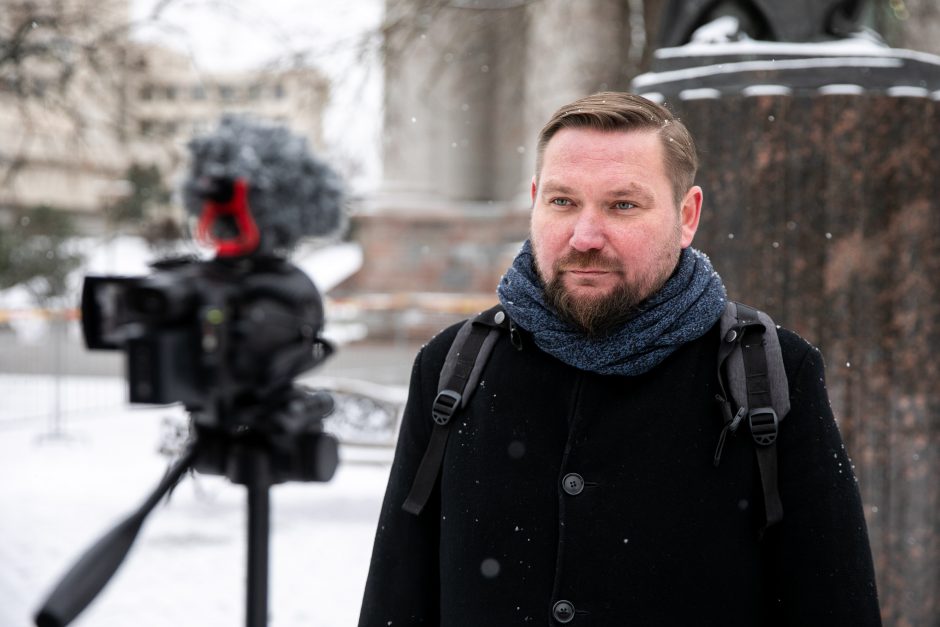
pixel 656 536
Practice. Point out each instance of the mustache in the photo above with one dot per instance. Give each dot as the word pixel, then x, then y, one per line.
pixel 590 259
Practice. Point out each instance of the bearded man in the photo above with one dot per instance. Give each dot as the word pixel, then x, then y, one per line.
pixel 578 484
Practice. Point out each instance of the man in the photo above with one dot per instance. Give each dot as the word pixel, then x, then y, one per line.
pixel 578 485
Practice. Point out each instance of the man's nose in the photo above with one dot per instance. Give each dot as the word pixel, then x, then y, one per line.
pixel 588 233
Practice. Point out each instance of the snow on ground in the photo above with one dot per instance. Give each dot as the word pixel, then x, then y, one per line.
pixel 188 565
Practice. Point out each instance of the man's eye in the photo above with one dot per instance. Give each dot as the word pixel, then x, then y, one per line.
pixel 561 202
pixel 623 205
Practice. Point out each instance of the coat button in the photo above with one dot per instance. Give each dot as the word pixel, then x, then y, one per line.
pixel 563 611
pixel 573 483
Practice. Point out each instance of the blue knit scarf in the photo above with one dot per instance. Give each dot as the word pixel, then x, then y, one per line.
pixel 687 306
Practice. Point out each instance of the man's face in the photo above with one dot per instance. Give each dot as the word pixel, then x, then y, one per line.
pixel 605 228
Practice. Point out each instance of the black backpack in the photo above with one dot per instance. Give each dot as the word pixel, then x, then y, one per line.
pixel 752 383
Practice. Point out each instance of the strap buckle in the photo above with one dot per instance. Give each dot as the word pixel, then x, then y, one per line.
pixel 445 406
pixel 764 424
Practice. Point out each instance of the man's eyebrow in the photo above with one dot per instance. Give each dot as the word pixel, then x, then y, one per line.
pixel 555 187
pixel 634 190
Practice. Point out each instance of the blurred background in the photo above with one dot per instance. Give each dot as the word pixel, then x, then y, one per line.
pixel 818 123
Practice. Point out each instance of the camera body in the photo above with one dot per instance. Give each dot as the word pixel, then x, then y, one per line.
pixel 225 338
pixel 205 333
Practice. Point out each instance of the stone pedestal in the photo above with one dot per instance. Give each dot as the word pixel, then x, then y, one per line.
pixel 822 205
pixel 430 266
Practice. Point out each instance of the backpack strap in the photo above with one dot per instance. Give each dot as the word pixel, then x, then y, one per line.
pixel 751 376
pixel 458 381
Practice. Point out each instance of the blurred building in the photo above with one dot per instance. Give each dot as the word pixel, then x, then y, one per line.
pixel 90 102
pixel 58 141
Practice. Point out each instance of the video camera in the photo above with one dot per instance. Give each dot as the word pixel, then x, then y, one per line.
pixel 225 337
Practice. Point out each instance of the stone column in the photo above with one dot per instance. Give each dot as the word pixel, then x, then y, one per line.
pixel 454 81
pixel 575 49
pixel 410 61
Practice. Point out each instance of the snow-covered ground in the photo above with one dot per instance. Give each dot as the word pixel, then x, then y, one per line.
pixel 59 493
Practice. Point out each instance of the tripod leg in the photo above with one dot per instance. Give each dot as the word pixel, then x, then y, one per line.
pixel 95 568
pixel 258 527
pixel 258 512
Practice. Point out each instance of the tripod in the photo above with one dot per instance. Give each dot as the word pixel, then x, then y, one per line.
pixel 289 445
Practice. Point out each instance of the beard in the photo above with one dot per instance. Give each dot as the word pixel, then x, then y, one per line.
pixel 597 316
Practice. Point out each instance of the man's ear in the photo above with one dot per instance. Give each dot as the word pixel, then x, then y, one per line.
pixel 689 213
pixel 535 189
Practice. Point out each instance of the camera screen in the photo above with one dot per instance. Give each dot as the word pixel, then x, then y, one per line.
pixel 104 311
